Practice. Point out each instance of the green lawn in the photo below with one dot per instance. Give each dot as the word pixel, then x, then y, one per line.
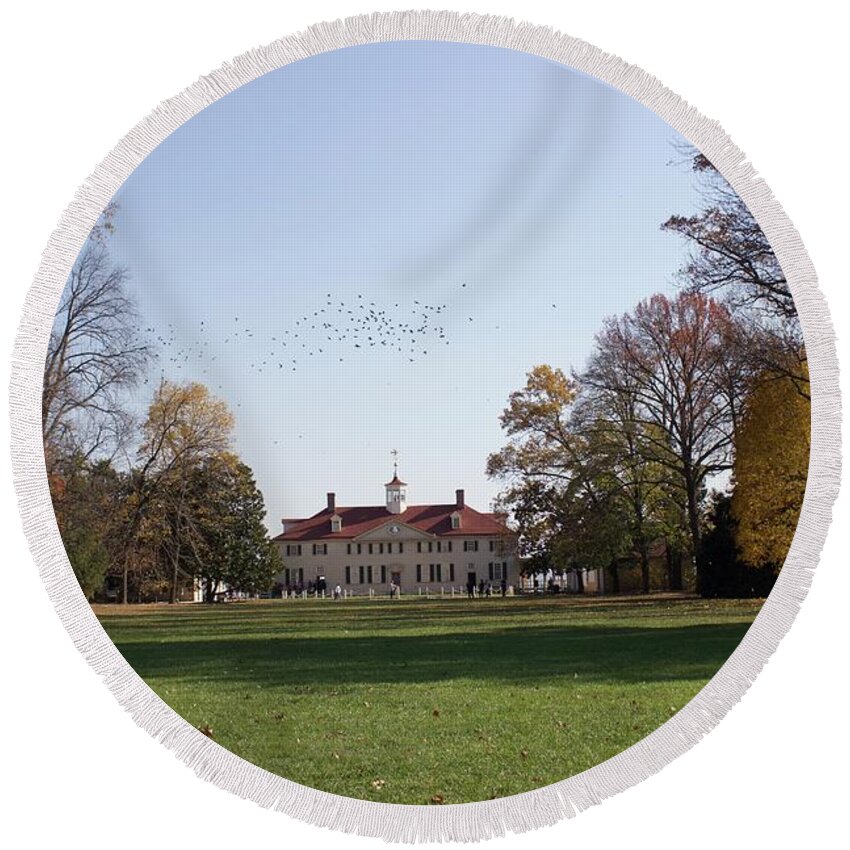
pixel 416 701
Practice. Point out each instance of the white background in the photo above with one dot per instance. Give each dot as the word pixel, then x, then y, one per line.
pixel 77 77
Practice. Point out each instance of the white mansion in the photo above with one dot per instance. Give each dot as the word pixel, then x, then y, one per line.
pixel 411 547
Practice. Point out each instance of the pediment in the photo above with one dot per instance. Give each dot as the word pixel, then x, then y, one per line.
pixel 385 532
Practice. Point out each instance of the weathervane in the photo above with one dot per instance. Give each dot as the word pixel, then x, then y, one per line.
pixel 394 453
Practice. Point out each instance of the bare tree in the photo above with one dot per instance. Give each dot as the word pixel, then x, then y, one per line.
pixel 671 358
pixel 95 353
pixel 731 258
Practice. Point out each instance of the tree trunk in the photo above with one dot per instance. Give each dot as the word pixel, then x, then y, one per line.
pixel 177 529
pixel 644 567
pixel 696 537
pixel 210 591
pixel 674 567
pixel 175 575
pixel 580 581
pixel 175 565
pixel 640 538
pixel 615 577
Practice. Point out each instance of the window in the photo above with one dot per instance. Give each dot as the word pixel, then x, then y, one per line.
pixel 470 545
pixel 430 545
pixel 439 572
pixel 348 575
pixel 418 573
pixel 498 570
pixel 359 548
pixel 439 545
pixel 369 574
pixel 362 573
pixel 449 545
pixel 370 548
pixel 432 574
pixel 301 573
pixel 395 496
pixel 418 545
pixel 383 573
pixel 389 548
pixel 401 548
pixel 348 548
pixel 287 576
pixel 293 548
pixel 492 545
pixel 336 524
pixel 451 572
pixel 455 521
pixel 320 548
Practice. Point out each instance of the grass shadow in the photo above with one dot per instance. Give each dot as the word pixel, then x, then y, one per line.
pixel 528 654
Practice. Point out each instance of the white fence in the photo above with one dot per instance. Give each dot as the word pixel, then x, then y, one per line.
pixel 427 592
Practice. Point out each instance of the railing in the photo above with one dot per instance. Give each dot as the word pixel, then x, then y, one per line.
pixel 427 592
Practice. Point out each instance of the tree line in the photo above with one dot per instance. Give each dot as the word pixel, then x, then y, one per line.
pixel 145 506
pixel 611 466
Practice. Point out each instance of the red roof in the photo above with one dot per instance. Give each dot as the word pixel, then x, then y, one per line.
pixel 430 519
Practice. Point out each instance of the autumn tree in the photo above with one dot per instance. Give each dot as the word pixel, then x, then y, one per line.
pixel 770 471
pixel 185 426
pixel 94 355
pixel 563 486
pixel 671 356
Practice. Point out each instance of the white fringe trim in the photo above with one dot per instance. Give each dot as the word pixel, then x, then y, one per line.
pixel 468 821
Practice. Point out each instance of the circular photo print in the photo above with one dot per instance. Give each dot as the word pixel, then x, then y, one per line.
pixel 426 422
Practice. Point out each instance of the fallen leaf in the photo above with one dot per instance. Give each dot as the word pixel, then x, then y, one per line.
pixel 206 730
pixel 438 799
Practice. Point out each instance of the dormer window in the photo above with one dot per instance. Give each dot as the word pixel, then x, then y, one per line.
pixel 455 521
pixel 336 523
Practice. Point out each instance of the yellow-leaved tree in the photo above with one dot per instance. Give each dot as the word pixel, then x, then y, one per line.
pixel 771 465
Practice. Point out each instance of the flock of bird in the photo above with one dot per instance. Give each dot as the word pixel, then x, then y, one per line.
pixel 336 328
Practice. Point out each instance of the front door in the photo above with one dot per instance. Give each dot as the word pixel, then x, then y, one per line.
pixel 395 578
pixel 471 578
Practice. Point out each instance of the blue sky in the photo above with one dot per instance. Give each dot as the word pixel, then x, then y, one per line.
pixel 517 201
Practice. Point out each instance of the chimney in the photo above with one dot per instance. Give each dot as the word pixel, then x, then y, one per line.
pixel 331 502
pixel 459 499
